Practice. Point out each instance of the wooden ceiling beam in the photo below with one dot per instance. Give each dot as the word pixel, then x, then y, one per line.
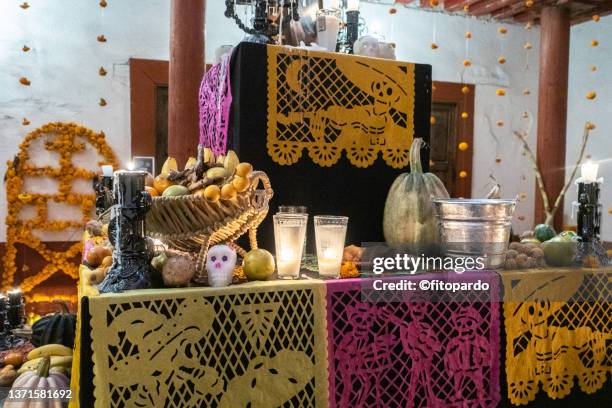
pixel 511 11
pixel 580 10
pixel 489 7
pixel 601 10
pixel 454 5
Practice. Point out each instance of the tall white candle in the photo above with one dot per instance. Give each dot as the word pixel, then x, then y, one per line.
pixel 327 31
pixel 335 4
pixel 289 237
pixel 352 5
pixel 588 172
pixel 330 233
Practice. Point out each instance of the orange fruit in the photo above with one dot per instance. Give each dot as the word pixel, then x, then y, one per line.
pixel 151 191
pixel 240 183
pixel 212 193
pixel 161 182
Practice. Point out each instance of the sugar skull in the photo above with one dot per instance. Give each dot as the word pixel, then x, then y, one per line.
pixel 220 262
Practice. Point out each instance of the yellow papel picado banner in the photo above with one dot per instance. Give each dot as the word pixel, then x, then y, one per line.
pixel 329 103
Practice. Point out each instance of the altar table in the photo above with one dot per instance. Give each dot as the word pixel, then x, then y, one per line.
pixel 337 343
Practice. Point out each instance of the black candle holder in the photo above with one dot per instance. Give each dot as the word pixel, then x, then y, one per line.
pixel 589 212
pixel 7 339
pixel 589 224
pixel 15 309
pixel 131 268
pixel 352 29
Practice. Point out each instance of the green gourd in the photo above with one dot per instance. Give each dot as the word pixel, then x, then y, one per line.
pixel 57 328
pixel 409 219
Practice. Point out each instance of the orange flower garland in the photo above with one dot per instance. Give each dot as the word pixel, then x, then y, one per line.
pixel 65 139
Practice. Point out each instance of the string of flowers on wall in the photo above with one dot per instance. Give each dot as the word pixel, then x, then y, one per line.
pixel 28 211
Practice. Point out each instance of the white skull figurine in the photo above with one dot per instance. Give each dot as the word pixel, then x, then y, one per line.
pixel 220 262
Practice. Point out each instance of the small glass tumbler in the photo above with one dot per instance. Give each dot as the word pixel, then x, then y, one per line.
pixel 330 233
pixel 328 26
pixel 296 209
pixel 289 236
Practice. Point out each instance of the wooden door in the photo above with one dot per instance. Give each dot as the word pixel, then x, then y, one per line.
pixel 149 109
pixel 449 129
pixel 161 126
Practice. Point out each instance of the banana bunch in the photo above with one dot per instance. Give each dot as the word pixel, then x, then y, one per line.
pixel 60 355
pixel 213 177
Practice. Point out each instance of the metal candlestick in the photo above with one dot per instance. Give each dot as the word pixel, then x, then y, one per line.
pixel 589 223
pixel 15 309
pixel 352 29
pixel 103 186
pixel 264 28
pixel 131 267
pixel 589 212
pixel 7 340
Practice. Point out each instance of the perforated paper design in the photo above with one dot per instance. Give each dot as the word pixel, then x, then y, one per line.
pixel 328 103
pixel 413 353
pixel 242 347
pixel 551 343
pixel 215 102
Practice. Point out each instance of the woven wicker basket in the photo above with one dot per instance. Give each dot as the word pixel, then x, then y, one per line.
pixel 192 223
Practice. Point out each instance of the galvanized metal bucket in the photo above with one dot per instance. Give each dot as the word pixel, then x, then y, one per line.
pixel 475 228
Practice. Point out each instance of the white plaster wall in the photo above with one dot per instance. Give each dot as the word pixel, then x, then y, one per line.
pixel 598 111
pixel 63 63
pixel 65 57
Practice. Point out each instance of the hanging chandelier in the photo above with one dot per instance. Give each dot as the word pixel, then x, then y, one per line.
pixel 267 17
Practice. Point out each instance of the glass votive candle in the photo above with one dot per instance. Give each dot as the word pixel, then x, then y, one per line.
pixel 289 237
pixel 296 209
pixel 330 233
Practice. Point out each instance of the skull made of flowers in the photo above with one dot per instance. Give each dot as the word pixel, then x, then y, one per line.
pixel 220 263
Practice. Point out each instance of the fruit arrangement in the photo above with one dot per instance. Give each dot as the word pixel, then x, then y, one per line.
pixel 214 200
pixel 542 247
pixel 11 360
pixel 98 252
pixel 24 362
pixel 213 177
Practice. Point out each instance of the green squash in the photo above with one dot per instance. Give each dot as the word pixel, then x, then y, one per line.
pixel 409 219
pixel 57 328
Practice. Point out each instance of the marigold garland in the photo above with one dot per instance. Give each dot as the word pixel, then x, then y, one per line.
pixel 65 139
